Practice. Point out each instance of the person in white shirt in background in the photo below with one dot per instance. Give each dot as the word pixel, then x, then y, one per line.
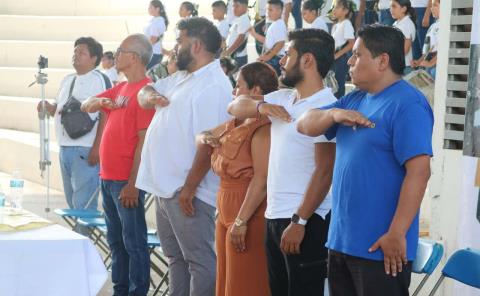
pixel 230 14
pixel 423 20
pixel 219 9
pixel 310 14
pixel 238 34
pixel 404 14
pixel 260 24
pixel 300 168
pixel 108 65
pixel 192 100
pixel 428 60
pixel 344 36
pixel 155 30
pixel 188 9
pixel 275 38
pixel 384 15
pixel 287 9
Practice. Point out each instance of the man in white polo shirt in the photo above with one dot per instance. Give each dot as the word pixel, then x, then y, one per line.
pixel 300 168
pixel 192 100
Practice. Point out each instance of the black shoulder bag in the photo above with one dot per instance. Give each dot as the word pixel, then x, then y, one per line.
pixel 75 122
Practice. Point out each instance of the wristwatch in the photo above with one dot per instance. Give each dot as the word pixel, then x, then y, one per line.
pixel 239 222
pixel 297 220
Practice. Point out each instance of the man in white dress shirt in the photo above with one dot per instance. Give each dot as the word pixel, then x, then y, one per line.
pixel 188 102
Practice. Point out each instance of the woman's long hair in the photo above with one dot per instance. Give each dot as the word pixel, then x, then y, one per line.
pixel 158 4
pixel 193 8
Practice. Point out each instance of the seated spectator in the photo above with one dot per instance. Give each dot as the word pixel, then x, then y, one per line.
pixel 108 65
pixel 310 13
pixel 429 57
pixel 240 157
pixel 404 15
pixel 274 40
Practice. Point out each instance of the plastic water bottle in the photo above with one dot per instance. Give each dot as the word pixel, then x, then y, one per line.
pixel 16 190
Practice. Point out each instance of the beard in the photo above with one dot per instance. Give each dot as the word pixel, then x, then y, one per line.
pixel 293 76
pixel 184 59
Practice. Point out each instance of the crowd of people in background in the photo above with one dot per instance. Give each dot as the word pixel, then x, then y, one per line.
pixel 267 179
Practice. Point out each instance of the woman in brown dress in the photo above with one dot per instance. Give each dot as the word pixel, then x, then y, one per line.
pixel 240 157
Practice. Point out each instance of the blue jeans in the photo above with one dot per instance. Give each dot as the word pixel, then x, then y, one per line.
pixel 156 58
pixel 297 13
pixel 127 238
pixel 80 180
pixel 432 71
pixel 240 61
pixel 385 17
pixel 421 32
pixel 275 63
pixel 340 68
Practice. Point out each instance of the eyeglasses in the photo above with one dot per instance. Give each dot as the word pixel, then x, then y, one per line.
pixel 121 50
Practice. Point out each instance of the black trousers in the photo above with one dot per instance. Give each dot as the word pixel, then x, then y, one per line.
pixel 354 276
pixel 303 274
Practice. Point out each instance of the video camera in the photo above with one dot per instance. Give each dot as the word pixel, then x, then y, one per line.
pixel 42 62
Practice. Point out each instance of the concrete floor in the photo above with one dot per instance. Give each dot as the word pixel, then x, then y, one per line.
pixel 34 200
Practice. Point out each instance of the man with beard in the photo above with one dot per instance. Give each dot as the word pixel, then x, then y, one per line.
pixel 192 100
pixel 120 151
pixel 300 168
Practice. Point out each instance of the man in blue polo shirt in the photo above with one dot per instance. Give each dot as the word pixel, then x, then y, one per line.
pixel 384 133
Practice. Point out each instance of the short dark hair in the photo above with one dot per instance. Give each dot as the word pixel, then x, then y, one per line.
pixel 313 5
pixel 219 4
pixel 204 30
pixel 276 2
pixel 261 75
pixel 244 2
pixel 316 42
pixel 108 55
pixel 379 39
pixel 94 48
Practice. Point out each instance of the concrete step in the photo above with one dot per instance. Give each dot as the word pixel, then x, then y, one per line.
pixel 21 114
pixel 21 151
pixel 14 82
pixel 62 28
pixel 23 53
pixel 75 7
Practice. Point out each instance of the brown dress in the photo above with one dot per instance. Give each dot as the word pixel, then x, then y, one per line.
pixel 238 274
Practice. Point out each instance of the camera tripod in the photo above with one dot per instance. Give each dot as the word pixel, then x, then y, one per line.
pixel 41 78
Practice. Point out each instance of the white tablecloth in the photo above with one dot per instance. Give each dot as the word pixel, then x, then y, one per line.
pixel 49 261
